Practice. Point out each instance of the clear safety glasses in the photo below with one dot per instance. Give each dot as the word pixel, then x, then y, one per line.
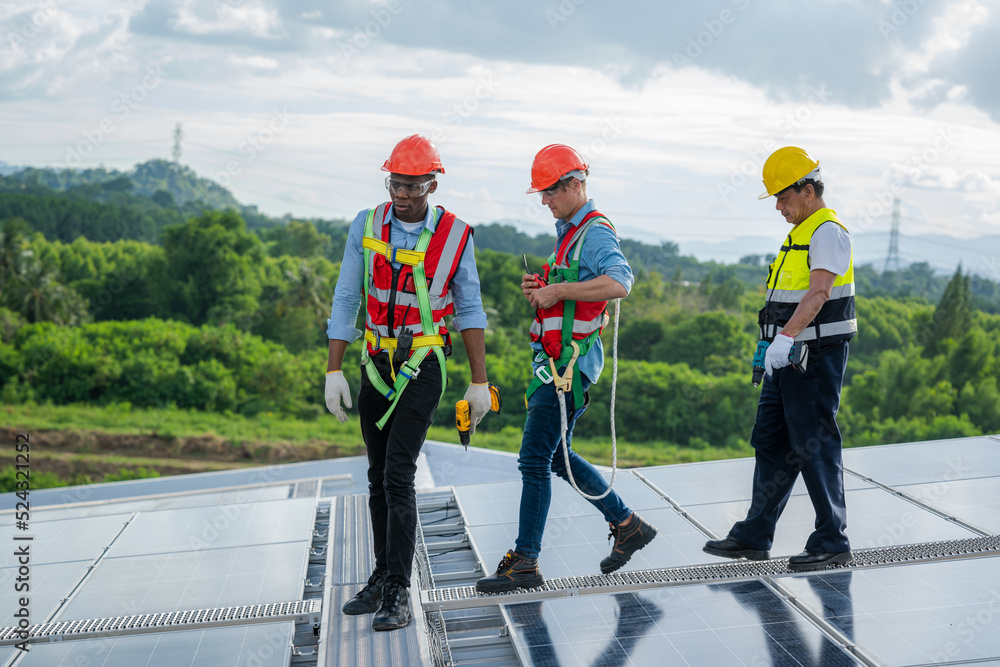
pixel 552 190
pixel 409 189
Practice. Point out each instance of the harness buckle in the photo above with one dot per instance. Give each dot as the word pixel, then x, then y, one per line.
pixel 544 374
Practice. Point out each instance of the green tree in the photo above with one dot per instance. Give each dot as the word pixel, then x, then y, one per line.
pixel 952 316
pixel 212 263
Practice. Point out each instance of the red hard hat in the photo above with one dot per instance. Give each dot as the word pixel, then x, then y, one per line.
pixel 552 163
pixel 414 156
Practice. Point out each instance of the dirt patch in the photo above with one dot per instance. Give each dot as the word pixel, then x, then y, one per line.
pixel 72 454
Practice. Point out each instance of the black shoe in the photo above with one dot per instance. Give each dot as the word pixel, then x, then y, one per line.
pixel 368 598
pixel 394 613
pixel 514 571
pixel 815 560
pixel 628 539
pixel 732 548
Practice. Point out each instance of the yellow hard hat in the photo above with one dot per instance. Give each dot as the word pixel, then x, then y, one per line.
pixel 787 166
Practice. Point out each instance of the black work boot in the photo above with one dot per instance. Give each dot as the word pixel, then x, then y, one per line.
pixel 730 547
pixel 514 571
pixel 368 598
pixel 630 536
pixel 394 613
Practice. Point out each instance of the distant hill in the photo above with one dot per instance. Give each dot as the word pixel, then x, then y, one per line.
pixel 148 178
pixel 7 168
pixel 943 253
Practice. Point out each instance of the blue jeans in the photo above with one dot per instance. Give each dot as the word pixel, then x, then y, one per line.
pixel 796 431
pixel 541 455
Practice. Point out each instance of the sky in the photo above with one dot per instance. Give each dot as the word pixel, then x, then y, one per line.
pixel 294 105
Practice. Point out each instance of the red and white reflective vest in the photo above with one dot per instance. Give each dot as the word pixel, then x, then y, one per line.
pixel 392 295
pixel 588 317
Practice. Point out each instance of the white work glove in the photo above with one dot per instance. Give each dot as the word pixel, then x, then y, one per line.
pixel 777 353
pixel 337 390
pixel 478 396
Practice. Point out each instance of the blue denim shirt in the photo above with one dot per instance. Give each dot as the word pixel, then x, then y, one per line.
pixel 601 256
pixel 469 313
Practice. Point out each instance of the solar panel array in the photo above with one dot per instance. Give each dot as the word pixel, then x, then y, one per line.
pixel 245 537
pixel 909 614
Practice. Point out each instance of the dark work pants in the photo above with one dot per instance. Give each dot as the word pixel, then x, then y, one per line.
pixel 796 431
pixel 392 460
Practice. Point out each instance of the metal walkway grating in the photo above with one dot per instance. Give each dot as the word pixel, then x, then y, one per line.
pixel 299 611
pixel 466 597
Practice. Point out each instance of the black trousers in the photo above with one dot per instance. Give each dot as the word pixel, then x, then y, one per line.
pixel 392 460
pixel 796 432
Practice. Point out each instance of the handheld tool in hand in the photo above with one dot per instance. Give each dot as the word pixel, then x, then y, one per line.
pixel 799 356
pixel 463 415
pixel 758 362
pixel 534 276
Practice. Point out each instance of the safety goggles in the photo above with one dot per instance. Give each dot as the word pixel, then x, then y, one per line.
pixel 552 190
pixel 409 189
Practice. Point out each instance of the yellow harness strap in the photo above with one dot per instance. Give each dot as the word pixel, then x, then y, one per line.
pixel 385 343
pixel 391 253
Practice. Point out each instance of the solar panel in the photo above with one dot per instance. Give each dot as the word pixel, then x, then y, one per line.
pixel 217 527
pixel 65 540
pixel 576 545
pixel 484 504
pixel 49 584
pixel 875 518
pixel 191 580
pixel 153 504
pixel 974 500
pixel 919 462
pixel 947 612
pixel 718 481
pixel 728 624
pixel 267 645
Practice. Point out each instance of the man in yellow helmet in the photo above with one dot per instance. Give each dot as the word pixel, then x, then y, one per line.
pixel 806 324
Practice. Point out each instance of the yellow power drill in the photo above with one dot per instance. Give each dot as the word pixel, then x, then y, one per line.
pixel 463 416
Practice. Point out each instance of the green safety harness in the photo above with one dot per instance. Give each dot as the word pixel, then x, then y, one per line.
pixel 571 349
pixel 422 345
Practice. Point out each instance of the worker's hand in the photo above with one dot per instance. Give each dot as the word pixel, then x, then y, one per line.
pixel 478 396
pixel 546 297
pixel 777 353
pixel 337 390
pixel 529 283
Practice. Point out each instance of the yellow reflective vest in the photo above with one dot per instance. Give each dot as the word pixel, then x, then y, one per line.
pixel 788 282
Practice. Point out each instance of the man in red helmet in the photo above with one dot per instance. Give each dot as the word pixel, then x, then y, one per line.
pixel 414 264
pixel 585 271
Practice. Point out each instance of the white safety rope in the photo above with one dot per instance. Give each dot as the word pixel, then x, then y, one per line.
pixel 560 394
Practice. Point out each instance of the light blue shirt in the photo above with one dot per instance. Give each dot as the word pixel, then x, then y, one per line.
pixel 601 256
pixel 469 313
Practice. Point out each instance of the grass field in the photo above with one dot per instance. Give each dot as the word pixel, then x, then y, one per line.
pixel 84 442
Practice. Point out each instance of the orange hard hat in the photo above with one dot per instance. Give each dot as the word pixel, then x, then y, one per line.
pixel 414 156
pixel 552 163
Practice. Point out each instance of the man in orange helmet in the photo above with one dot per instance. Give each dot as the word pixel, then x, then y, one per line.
pixel 586 270
pixel 414 264
pixel 805 326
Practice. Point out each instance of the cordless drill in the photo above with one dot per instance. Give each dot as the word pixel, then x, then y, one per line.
pixel 463 415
